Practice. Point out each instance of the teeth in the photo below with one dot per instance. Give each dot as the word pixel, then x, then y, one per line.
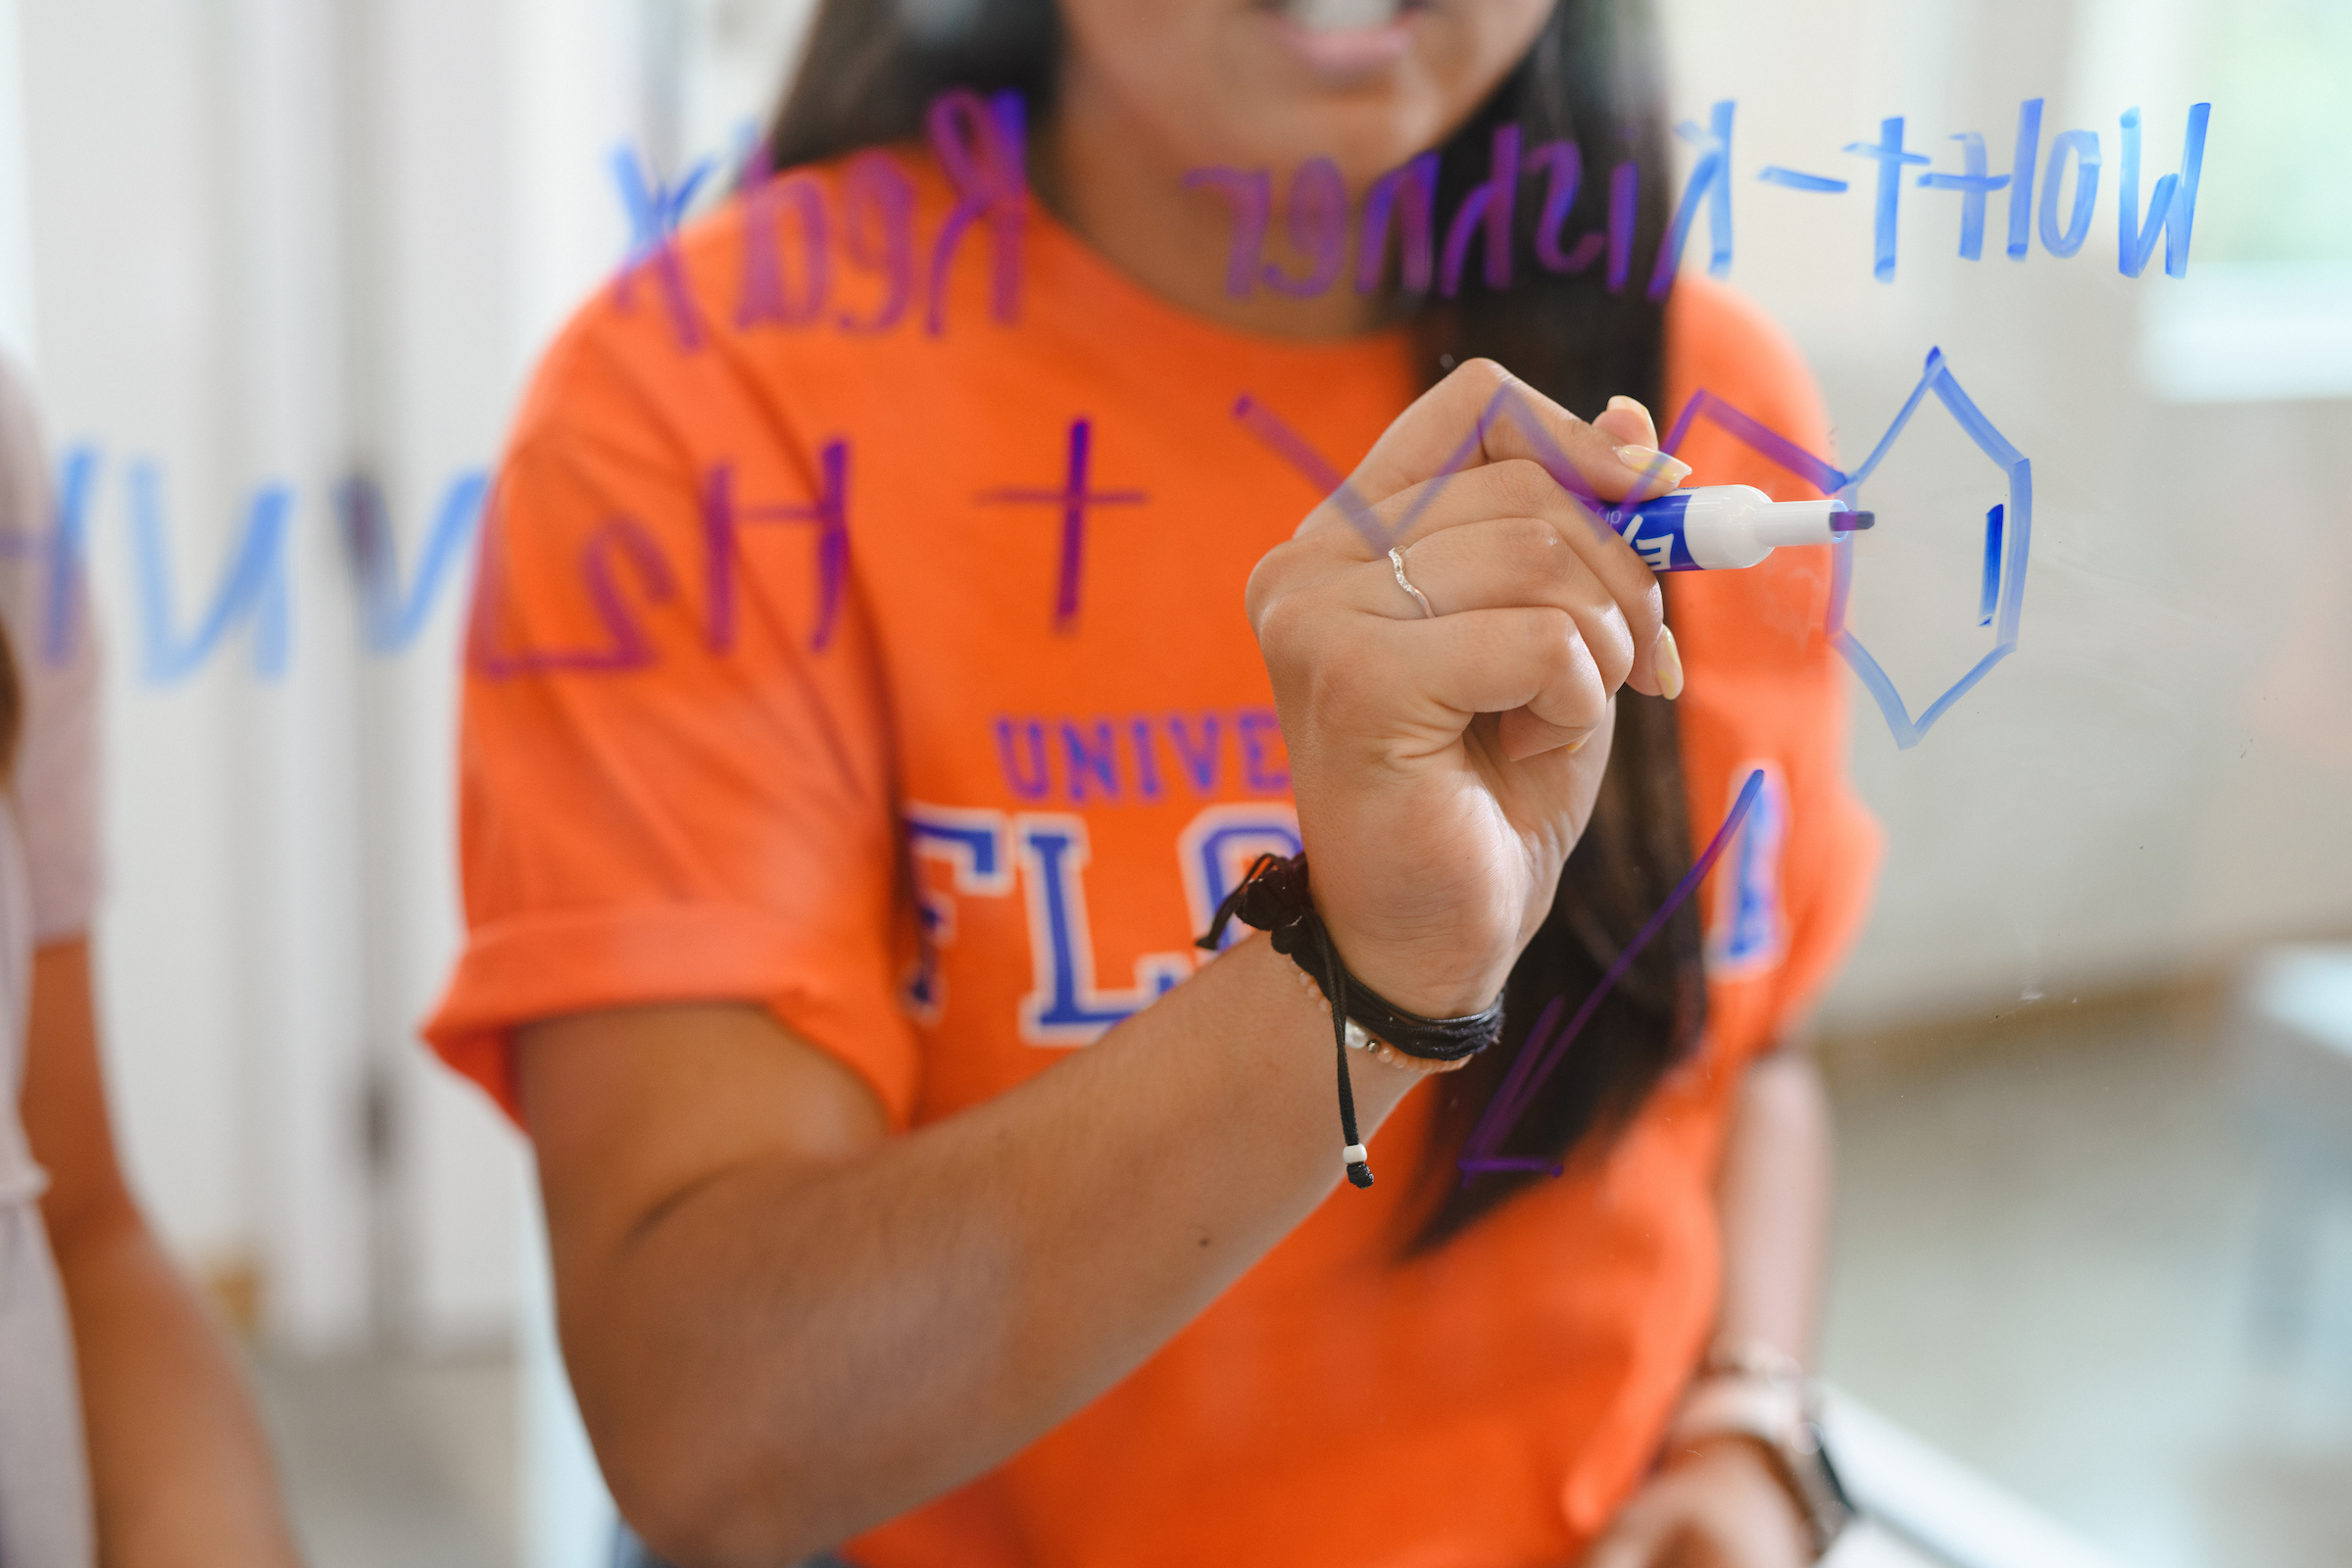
pixel 1342 15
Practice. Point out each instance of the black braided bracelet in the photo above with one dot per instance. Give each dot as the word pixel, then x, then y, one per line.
pixel 1273 898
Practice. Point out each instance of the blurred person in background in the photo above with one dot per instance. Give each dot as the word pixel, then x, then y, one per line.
pixel 861 715
pixel 126 1435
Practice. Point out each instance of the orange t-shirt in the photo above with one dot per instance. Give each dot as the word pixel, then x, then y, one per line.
pixel 897 680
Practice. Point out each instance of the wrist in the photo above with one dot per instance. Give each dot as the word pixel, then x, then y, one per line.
pixel 1746 1470
pixel 1433 988
pixel 1755 1398
pixel 1435 977
pixel 1438 965
pixel 1275 897
pixel 1744 1450
pixel 1366 1050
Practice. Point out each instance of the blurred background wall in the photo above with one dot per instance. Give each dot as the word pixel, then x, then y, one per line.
pixel 2155 781
pixel 247 243
pixel 294 243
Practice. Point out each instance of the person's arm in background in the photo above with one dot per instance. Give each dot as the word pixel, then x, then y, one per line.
pixel 178 1467
pixel 1719 1504
pixel 1773 1195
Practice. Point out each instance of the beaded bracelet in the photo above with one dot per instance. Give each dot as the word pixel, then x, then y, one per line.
pixel 1379 1050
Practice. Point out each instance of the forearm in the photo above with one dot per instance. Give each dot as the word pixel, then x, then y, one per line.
pixel 787 1355
pixel 1729 1489
pixel 179 1469
pixel 1773 1195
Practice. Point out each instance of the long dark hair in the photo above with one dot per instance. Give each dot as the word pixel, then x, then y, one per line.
pixel 12 707
pixel 1591 78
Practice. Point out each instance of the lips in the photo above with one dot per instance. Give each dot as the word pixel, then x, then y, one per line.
pixel 1341 16
pixel 1345 39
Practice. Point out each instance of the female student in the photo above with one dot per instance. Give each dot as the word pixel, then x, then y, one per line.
pixel 124 1435
pixel 896 639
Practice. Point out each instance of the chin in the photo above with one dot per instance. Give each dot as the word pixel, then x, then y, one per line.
pixel 1367 84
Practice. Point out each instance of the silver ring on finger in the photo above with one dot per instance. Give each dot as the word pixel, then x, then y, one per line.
pixel 1397 562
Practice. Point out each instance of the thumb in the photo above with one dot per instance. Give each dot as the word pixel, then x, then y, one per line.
pixel 1627 422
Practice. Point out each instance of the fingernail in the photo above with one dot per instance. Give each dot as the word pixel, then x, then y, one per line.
pixel 1652 464
pixel 1621 401
pixel 1577 744
pixel 1667 661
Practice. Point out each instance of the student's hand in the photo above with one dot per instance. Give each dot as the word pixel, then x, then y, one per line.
pixel 1444 767
pixel 1720 1506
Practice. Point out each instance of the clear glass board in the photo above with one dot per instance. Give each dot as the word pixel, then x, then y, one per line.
pixel 2059 295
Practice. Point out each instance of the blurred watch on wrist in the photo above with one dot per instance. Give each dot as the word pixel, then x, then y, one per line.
pixel 1756 1391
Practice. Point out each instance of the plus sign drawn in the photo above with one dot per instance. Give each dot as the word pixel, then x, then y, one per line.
pixel 1074 499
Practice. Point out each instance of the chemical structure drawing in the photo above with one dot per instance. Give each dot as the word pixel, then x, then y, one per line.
pixel 2008 527
pixel 2008 547
pixel 253 586
pixel 2008 541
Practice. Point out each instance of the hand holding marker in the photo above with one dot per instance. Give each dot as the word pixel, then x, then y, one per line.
pixel 1721 527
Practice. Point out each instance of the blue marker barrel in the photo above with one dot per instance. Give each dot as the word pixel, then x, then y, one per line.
pixel 1725 526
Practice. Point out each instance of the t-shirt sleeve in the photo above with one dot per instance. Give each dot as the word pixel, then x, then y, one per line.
pixel 1767 688
pixel 674 769
pixel 54 783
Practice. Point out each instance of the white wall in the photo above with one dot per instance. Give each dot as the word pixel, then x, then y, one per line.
pixel 281 240
pixel 136 236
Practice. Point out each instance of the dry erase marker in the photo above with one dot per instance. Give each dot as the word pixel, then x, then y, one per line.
pixel 1723 525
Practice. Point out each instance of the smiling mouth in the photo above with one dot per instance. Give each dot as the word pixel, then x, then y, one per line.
pixel 1345 15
